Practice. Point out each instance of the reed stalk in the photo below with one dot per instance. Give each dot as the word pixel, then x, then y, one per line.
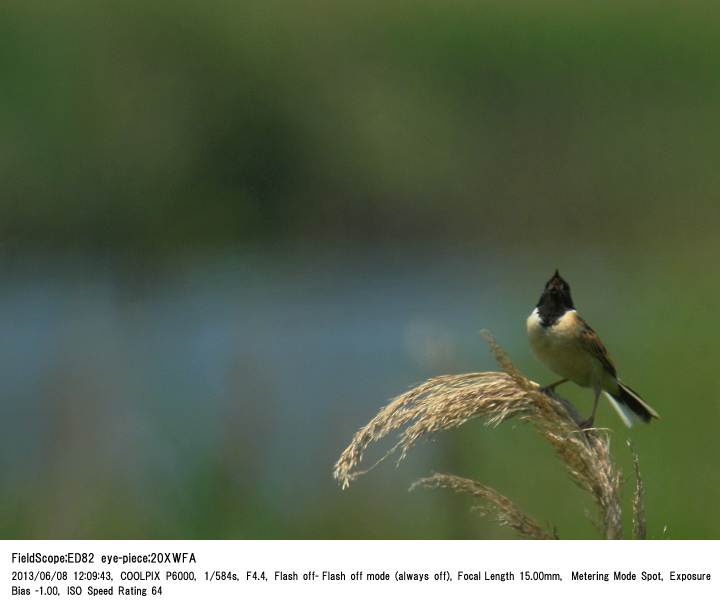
pixel 446 402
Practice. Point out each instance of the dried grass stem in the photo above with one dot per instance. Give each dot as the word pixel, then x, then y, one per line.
pixel 449 401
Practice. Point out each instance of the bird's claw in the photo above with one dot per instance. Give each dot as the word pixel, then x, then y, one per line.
pixel 587 423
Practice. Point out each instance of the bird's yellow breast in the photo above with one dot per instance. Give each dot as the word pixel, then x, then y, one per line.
pixel 560 348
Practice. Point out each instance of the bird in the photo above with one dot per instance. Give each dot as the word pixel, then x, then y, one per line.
pixel 565 343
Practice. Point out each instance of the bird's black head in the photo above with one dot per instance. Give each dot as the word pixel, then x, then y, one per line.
pixel 555 300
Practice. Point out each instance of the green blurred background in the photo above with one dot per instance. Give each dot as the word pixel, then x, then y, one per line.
pixel 231 231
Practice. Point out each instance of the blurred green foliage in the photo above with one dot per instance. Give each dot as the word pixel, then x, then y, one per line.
pixel 147 127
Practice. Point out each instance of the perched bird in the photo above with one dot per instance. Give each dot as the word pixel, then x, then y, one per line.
pixel 567 345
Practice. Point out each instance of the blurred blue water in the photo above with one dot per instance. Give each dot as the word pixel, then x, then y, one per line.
pixel 134 379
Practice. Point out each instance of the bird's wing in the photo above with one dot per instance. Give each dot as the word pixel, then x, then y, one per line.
pixel 591 342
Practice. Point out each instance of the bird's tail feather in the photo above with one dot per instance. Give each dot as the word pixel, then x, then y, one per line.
pixel 623 411
pixel 629 405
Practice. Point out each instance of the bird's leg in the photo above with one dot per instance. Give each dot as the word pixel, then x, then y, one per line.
pixel 587 423
pixel 551 386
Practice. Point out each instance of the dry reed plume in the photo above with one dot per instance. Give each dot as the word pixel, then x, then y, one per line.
pixel 505 511
pixel 447 402
pixel 639 527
